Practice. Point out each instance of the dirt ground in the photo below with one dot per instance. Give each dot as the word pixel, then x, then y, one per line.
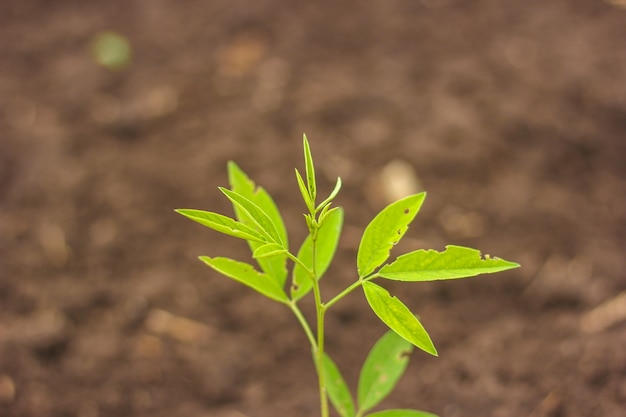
pixel 512 115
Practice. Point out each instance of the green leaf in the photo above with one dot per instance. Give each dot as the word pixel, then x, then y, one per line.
pixel 274 266
pixel 338 391
pixel 223 224
pixel 242 184
pixel 402 413
pixel 332 195
pixel 454 262
pixel 310 204
pixel 386 230
pixel 327 240
pixel 256 214
pixel 382 369
pixel 247 275
pixel 398 317
pixel 268 250
pixel 310 169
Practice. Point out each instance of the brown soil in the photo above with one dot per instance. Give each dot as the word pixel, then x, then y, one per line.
pixel 511 114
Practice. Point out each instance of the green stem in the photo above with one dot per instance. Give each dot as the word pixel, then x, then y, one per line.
pixel 304 324
pixel 295 259
pixel 343 293
pixel 319 353
pixel 349 289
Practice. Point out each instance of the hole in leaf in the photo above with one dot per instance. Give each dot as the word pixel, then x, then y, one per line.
pixel 406 211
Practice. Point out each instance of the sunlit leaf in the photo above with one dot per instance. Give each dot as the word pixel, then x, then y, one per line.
pixel 223 224
pixel 332 195
pixel 310 204
pixel 398 317
pixel 310 169
pixel 326 245
pixel 382 369
pixel 455 262
pixel 256 214
pixel 386 230
pixel 268 250
pixel 274 266
pixel 247 275
pixel 242 184
pixel 338 391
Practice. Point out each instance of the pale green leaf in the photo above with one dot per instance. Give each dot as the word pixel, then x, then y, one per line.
pixel 382 369
pixel 454 262
pixel 386 230
pixel 242 184
pixel 402 413
pixel 332 195
pixel 274 266
pixel 305 192
pixel 256 214
pixel 310 169
pixel 247 275
pixel 398 317
pixel 337 389
pixel 268 250
pixel 327 240
pixel 223 224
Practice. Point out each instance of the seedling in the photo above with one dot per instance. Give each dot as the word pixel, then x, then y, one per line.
pixel 258 221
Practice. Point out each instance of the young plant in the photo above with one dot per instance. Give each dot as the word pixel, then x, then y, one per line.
pixel 258 221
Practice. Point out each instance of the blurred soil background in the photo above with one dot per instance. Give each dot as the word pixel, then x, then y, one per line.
pixel 512 115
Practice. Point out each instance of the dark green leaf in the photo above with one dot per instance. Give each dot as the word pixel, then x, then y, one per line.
pixel 384 231
pixel 247 275
pixel 454 262
pixel 398 317
pixel 382 369
pixel 326 245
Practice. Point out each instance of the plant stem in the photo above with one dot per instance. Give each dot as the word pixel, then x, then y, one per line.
pixel 304 324
pixel 349 289
pixel 319 352
pixel 343 293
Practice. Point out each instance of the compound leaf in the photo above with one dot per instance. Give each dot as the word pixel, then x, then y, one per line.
pixel 255 214
pixel 247 275
pixel 338 391
pixel 398 317
pixel 327 240
pixel 386 230
pixel 402 413
pixel 242 184
pixel 382 369
pixel 223 224
pixel 276 265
